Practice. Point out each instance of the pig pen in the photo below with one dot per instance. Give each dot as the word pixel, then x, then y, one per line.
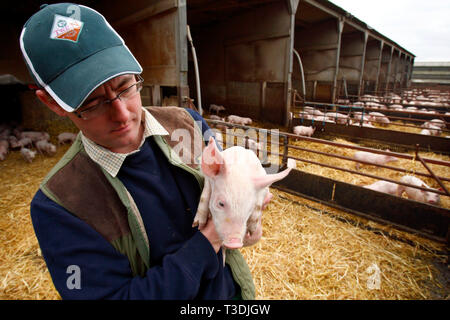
pixel 410 166
pixel 318 152
pixel 308 250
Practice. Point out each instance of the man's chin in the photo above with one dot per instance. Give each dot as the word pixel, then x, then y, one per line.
pixel 125 142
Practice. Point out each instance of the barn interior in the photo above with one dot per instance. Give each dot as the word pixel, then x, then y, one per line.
pixel 242 50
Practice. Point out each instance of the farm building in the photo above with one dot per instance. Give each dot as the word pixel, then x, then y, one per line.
pixel 280 62
pixel 248 53
pixel 431 75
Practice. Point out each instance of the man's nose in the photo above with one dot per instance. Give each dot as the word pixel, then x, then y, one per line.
pixel 118 110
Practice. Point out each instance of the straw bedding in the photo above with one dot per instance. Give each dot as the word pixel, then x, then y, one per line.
pixel 23 273
pixel 308 251
pixel 412 166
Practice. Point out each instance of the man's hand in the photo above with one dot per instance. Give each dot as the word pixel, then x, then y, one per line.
pixel 209 231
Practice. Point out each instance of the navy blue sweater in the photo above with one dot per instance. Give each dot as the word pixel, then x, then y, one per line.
pixel 183 263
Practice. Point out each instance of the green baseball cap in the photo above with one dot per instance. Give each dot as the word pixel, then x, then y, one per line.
pixel 71 49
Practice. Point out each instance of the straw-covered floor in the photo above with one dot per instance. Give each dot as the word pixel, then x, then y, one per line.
pixel 23 273
pixel 308 251
pixel 411 166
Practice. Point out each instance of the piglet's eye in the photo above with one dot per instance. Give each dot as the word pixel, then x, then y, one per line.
pixel 221 204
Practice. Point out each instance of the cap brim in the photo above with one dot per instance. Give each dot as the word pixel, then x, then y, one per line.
pixel 72 87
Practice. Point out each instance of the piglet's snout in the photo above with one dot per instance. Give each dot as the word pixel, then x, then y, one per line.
pixel 232 237
pixel 233 243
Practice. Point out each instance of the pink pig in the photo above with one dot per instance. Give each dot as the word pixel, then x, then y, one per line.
pixel 418 194
pixel 373 157
pixel 383 186
pixel 236 191
pixel 304 131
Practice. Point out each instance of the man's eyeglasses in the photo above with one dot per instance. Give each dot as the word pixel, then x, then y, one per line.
pixel 102 106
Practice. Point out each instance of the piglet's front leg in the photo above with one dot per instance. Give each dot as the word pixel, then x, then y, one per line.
pixel 201 217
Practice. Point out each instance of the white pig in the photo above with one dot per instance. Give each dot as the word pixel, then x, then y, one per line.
pixel 214 117
pixel 337 117
pixel 239 120
pixel 27 154
pixel 372 157
pixel 66 137
pixel 379 117
pixel 417 194
pixel 45 147
pixel 35 135
pixel 438 123
pixel 216 108
pixel 383 186
pixel 236 191
pixel 358 116
pixel 25 142
pixel 304 131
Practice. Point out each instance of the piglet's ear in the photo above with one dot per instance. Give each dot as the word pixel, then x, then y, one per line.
pixel 212 160
pixel 268 179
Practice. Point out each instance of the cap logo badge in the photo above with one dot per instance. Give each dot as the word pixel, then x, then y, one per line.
pixel 66 28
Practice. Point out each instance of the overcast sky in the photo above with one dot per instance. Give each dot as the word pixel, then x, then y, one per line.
pixel 421 27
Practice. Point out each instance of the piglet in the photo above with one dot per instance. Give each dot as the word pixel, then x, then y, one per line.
pixel 25 142
pixel 235 193
pixel 216 108
pixel 417 194
pixel 379 117
pixel 438 123
pixel 66 137
pixel 27 154
pixel 35 135
pixel 239 120
pixel 304 131
pixel 45 147
pixel 383 186
pixel 215 117
pixel 373 158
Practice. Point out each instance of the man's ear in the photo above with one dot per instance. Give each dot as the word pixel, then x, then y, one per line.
pixel 50 102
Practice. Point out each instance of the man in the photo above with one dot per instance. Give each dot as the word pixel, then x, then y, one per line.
pixel 114 216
